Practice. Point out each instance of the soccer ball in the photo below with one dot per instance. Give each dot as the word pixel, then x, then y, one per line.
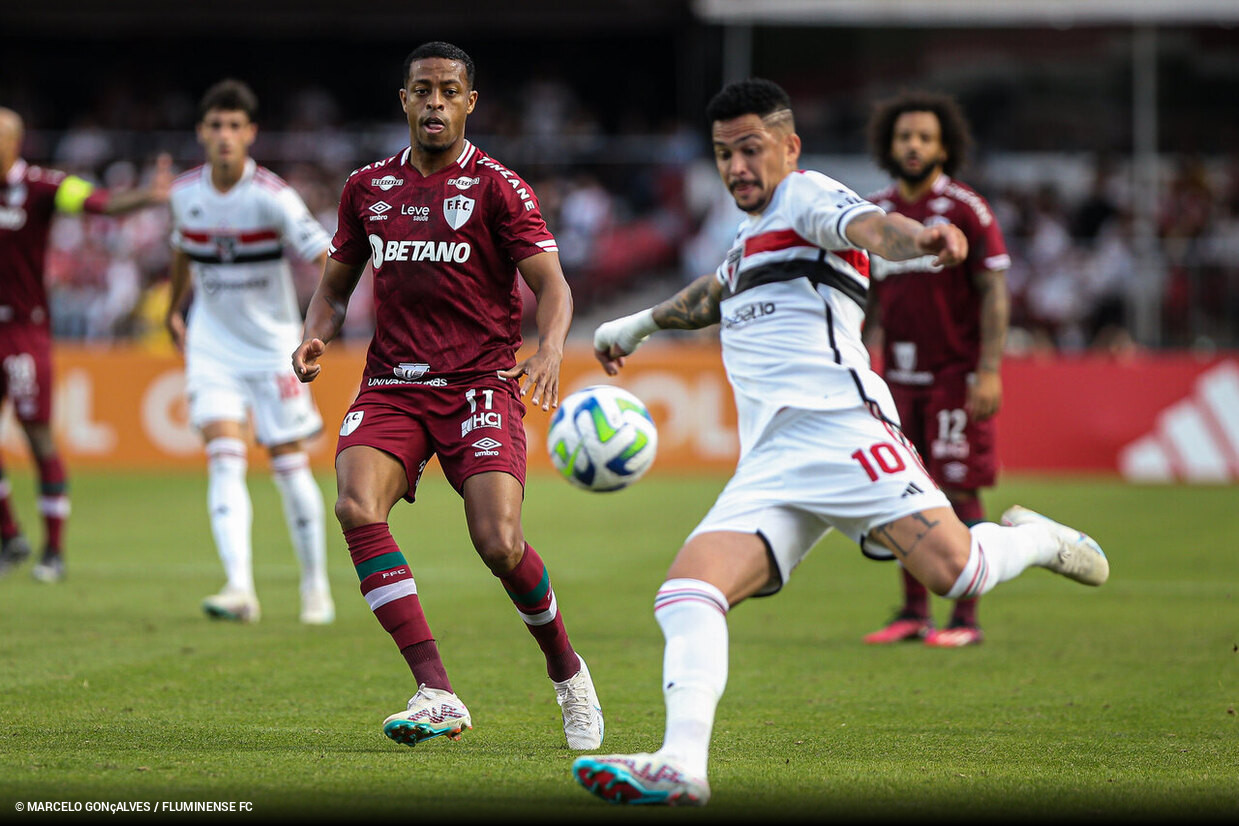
pixel 602 438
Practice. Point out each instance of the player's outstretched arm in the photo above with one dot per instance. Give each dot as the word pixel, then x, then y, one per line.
pixel 545 277
pixel 156 192
pixel 325 316
pixel 897 237
pixel 692 308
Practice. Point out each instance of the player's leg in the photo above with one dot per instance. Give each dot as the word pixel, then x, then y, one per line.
pixel 712 572
pixel 493 514
pixel 913 621
pixel 14 549
pixel 284 415
pixel 370 481
pixel 53 500
pixel 230 511
pixel 956 561
pixel 963 628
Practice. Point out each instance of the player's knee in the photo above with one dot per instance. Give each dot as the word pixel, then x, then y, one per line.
pixel 352 512
pixel 500 546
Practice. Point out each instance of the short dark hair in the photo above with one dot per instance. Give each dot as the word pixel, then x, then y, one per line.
pixel 956 134
pixel 437 48
pixel 755 96
pixel 229 95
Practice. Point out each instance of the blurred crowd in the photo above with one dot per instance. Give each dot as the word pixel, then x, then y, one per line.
pixel 641 204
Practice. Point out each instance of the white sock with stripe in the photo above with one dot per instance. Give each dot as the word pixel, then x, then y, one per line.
pixel 303 511
pixel 1000 553
pixel 230 510
pixel 693 617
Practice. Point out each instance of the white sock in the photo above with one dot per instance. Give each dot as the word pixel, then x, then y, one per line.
pixel 303 511
pixel 228 504
pixel 1000 553
pixel 693 617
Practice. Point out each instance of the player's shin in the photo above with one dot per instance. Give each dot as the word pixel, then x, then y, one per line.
pixel 230 509
pixel 997 554
pixel 390 591
pixel 693 618
pixel 303 511
pixel 529 587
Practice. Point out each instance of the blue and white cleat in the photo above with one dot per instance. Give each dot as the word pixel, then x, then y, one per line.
pixel 1079 557
pixel 637 779
pixel 583 724
pixel 432 712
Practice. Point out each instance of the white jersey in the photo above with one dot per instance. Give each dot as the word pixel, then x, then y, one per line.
pixel 245 312
pixel 793 304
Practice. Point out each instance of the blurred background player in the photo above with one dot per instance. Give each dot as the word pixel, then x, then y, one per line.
pixel 448 231
pixel 30 196
pixel 232 223
pixel 941 330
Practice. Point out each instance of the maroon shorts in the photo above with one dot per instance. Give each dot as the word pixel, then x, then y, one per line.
pixel 473 426
pixel 26 374
pixel 958 452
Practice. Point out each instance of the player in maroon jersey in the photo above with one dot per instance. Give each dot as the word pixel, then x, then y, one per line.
pixel 448 230
pixel 30 196
pixel 941 329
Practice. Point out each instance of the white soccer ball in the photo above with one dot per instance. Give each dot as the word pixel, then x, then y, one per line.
pixel 602 438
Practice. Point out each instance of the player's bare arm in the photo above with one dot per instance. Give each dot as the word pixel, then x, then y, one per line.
pixel 156 192
pixel 325 316
pixel 178 292
pixel 985 393
pixel 545 278
pixel 897 237
pixel 692 308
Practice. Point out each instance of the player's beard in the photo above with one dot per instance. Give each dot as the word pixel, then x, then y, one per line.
pixel 914 178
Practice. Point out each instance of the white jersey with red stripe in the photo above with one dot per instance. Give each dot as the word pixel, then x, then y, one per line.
pixel 793 303
pixel 245 312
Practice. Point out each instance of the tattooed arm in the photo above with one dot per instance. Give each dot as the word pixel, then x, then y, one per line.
pixel 897 237
pixel 692 308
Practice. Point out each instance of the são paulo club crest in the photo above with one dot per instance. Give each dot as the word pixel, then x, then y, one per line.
pixel 457 210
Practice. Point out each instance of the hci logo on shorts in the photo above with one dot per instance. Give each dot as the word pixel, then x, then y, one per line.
pixel 351 422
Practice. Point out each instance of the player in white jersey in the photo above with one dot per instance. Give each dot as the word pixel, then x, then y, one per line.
pixel 232 224
pixel 820 441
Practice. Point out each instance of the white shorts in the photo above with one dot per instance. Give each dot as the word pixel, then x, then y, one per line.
pixel 281 406
pixel 813 470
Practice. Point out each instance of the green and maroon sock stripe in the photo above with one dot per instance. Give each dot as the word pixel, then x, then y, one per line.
pixel 529 587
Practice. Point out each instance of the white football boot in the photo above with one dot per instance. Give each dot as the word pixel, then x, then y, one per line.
pixel 432 712
pixel 1079 557
pixel 232 604
pixel 317 607
pixel 583 724
pixel 635 779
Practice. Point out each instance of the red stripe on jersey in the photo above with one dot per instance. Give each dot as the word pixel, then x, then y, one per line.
pixel 856 258
pixel 780 239
pixel 187 177
pixel 268 179
pixel 243 237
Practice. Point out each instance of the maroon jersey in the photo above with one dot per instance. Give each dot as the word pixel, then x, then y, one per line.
pixel 931 315
pixel 27 206
pixel 444 250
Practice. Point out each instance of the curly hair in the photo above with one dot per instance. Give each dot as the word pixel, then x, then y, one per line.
pixel 438 48
pixel 754 96
pixel 229 95
pixel 956 134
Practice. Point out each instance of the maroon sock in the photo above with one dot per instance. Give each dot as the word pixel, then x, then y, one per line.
pixel 8 525
pixel 915 595
pixel 53 501
pixel 388 586
pixel 529 587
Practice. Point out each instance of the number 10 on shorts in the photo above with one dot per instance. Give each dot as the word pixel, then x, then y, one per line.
pixel 880 457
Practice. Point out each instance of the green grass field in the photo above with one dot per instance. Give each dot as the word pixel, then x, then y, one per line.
pixel 1110 703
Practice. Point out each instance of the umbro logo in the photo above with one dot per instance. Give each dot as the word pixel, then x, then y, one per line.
pixel 386 182
pixel 487 444
pixel 380 207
